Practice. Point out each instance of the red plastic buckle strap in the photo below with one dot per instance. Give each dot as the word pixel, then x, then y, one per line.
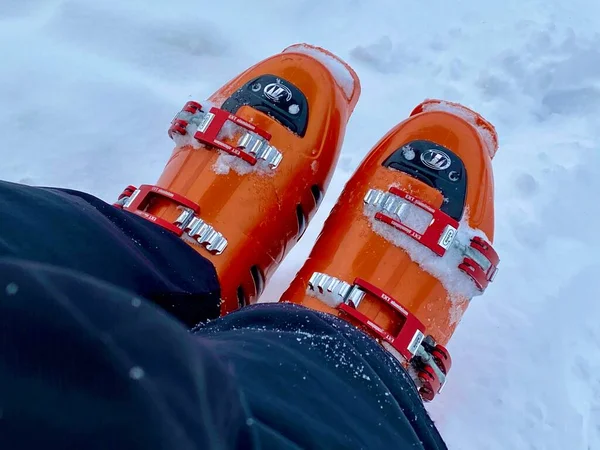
pixel 139 199
pixel 440 233
pixel 433 367
pixel 412 333
pixel 211 126
pixel 480 263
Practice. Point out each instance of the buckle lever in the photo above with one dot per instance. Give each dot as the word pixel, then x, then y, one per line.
pixel 431 361
pixel 440 232
pixel 480 263
pixel 137 201
pixel 253 145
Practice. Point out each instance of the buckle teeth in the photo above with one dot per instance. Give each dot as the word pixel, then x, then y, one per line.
pixel 335 289
pixel 211 124
pixel 184 218
pixel 260 149
pixel 202 232
pixel 355 296
pixel 387 202
pixel 374 197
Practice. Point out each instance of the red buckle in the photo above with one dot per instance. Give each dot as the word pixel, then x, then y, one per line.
pixel 126 193
pixel 475 268
pixel 141 198
pixel 442 358
pixel 431 385
pixel 214 122
pixel 410 336
pixel 440 233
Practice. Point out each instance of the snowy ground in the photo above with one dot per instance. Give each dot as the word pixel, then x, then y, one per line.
pixel 87 90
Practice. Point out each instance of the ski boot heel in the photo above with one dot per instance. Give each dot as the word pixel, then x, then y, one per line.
pixel 408 243
pixel 251 166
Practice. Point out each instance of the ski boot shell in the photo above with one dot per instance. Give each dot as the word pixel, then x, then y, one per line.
pixel 252 164
pixel 408 243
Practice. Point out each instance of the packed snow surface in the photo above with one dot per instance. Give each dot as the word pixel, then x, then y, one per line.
pixel 88 90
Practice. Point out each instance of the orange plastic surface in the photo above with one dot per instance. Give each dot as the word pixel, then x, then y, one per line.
pixel 348 247
pixel 256 212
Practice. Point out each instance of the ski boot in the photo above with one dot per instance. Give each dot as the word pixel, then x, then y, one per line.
pixel 251 165
pixel 408 243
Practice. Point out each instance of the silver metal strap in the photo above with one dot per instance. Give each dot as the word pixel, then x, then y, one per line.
pixel 339 291
pixel 387 202
pixel 260 149
pixel 202 232
pixel 254 144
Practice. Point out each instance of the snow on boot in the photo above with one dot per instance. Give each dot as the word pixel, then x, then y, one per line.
pixel 408 243
pixel 251 165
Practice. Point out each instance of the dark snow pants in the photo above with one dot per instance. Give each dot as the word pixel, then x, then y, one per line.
pixel 96 353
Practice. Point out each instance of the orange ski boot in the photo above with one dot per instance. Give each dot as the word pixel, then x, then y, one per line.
pixel 408 243
pixel 251 165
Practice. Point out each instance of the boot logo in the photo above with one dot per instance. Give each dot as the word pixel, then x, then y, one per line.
pixel 436 159
pixel 278 91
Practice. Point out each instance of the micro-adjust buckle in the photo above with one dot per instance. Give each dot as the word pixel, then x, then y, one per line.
pixel 438 236
pixel 253 145
pixel 432 361
pixel 480 262
pixel 136 200
pixel 410 336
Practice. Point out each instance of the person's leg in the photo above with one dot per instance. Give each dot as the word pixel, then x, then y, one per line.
pixel 86 365
pixel 319 382
pixel 78 231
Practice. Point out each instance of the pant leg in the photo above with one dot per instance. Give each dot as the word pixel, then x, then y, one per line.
pixel 319 382
pixel 85 365
pixel 77 231
pixel 83 361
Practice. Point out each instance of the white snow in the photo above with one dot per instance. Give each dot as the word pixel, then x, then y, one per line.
pixel 12 289
pixel 485 134
pixel 340 72
pixel 226 162
pixel 89 89
pixel 444 268
pixel 136 373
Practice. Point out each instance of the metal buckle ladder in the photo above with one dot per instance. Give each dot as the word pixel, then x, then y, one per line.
pixel 431 361
pixel 137 200
pixel 480 261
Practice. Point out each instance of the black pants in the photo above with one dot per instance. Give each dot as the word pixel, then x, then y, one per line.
pixel 87 359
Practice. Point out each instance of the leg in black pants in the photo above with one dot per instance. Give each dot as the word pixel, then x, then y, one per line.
pixel 87 362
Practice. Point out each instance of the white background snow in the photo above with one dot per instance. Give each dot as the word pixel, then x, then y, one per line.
pixel 88 88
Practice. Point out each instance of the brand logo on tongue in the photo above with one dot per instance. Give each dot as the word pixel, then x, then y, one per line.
pixel 278 92
pixel 436 159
